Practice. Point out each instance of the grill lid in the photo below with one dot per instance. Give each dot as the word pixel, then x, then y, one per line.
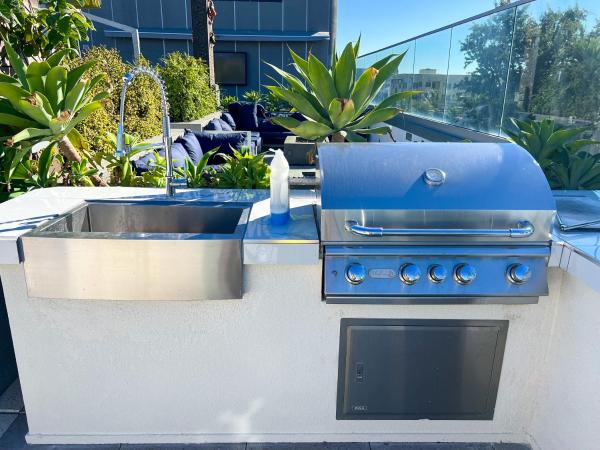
pixel 431 176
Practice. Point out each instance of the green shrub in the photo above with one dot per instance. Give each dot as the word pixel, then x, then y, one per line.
pixel 142 108
pixel 188 88
pixel 227 100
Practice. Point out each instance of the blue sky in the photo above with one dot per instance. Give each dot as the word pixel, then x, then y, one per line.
pixel 384 22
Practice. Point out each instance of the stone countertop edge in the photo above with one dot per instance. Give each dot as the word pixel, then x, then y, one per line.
pixel 297 242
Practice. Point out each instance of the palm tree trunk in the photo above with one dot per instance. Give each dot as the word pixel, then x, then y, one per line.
pixel 337 137
pixel 71 154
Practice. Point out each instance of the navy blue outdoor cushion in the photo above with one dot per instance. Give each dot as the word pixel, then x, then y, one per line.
pixel 265 125
pixel 245 115
pixel 191 145
pixel 218 125
pixel 224 141
pixel 147 161
pixel 226 117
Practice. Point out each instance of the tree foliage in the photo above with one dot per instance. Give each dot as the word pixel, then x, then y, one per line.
pixel 39 32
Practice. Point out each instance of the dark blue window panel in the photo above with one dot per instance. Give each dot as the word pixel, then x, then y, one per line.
pixel 246 15
pixel 270 16
pixel 174 13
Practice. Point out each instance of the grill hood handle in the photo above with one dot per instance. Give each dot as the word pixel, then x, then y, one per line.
pixel 524 229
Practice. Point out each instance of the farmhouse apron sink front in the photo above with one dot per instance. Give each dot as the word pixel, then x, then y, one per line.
pixel 138 250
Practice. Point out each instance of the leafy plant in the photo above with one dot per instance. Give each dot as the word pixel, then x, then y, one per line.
pixel 188 86
pixel 39 173
pixel 580 171
pixel 227 100
pixel 155 176
pixel 276 104
pixel 199 175
pixel 120 167
pixel 243 171
pixel 10 159
pixel 45 101
pixel 40 31
pixel 142 108
pixel 81 174
pixel 335 101
pixel 558 152
pixel 252 96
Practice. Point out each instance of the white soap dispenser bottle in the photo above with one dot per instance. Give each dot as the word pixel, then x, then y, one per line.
pixel 280 198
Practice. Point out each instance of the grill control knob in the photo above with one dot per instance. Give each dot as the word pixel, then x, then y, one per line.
pixel 437 273
pixel 410 273
pixel 355 273
pixel 465 273
pixel 519 273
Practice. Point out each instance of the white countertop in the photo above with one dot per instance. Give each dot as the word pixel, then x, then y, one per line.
pixel 297 242
pixel 576 252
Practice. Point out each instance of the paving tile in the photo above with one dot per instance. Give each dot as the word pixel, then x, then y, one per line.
pixel 509 446
pixel 14 439
pixel 5 422
pixel 309 446
pixel 432 446
pixel 241 446
pixel 12 399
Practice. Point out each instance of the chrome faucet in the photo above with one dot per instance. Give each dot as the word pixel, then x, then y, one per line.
pixel 167 141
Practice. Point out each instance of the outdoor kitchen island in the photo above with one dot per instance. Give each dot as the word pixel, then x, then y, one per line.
pixel 265 367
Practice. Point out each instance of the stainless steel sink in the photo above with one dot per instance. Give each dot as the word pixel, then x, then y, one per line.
pixel 138 250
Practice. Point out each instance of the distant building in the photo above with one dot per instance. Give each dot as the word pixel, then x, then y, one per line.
pixel 247 33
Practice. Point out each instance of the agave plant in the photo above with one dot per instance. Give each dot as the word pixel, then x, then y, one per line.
pixel 559 153
pixel 198 175
pixel 120 166
pixel 335 101
pixel 45 101
pixel 544 140
pixel 577 171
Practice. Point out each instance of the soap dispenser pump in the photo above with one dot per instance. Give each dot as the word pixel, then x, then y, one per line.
pixel 280 198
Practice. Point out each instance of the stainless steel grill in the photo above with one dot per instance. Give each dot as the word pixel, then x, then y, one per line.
pixel 433 223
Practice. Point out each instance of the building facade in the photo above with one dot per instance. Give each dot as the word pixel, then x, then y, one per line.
pixel 248 33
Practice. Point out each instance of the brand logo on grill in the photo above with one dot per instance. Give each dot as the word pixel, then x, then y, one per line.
pixel 382 273
pixel 359 408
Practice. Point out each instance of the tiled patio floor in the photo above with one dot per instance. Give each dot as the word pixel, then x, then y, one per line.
pixel 13 427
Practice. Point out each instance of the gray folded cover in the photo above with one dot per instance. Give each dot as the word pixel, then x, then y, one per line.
pixel 578 212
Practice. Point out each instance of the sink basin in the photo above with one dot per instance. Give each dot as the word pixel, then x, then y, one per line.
pixel 138 250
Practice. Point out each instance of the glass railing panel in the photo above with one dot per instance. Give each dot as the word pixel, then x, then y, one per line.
pixel 557 44
pixel 477 72
pixel 430 74
pixel 402 80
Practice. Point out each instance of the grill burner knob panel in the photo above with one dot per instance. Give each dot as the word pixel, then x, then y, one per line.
pixel 437 273
pixel 465 274
pixel 410 273
pixel 355 273
pixel 519 273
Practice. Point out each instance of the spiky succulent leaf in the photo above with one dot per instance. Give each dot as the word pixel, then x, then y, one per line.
pixel 307 129
pixel 17 64
pixel 322 81
pixel 362 89
pixel 341 112
pixel 300 102
pixel 345 70
pixel 377 115
pixel 55 86
pixel 30 134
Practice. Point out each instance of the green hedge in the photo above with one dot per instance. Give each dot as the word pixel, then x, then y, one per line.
pixel 142 108
pixel 187 82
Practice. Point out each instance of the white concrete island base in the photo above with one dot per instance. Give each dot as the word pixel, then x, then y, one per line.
pixel 264 368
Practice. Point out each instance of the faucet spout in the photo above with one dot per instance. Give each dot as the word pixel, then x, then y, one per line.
pixel 167 141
